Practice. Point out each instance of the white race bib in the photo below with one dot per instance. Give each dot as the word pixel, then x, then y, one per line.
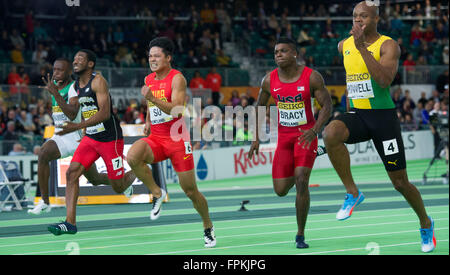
pixel 360 89
pixel 157 116
pixel 292 114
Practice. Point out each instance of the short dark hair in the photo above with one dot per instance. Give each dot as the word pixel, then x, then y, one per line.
pixel 91 56
pixel 63 59
pixel 164 43
pixel 287 40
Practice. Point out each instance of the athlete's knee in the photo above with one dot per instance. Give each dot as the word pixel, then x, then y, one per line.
pixel 134 160
pixel 73 173
pixel 332 134
pixel 280 191
pixel 400 184
pixel 302 185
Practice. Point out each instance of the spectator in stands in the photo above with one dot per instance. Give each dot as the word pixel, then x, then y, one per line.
pixel 205 40
pixel 408 123
pixel 118 35
pixel 39 33
pixel 39 55
pixel 441 33
pixel 214 82
pixel 416 35
pixel 428 35
pixel 328 30
pixel 435 96
pixel 216 42
pixel 197 82
pixel 26 122
pixel 207 14
pixel 9 136
pixel 441 81
pixel 445 55
pixel 5 41
pixel 17 40
pixel 36 150
pixel 17 150
pixel 304 39
pixel 235 99
pixel 272 23
pixel 44 117
pixel 192 61
pixel 205 58
pixel 222 59
pixel 17 55
pixel 417 113
pixel 423 99
pixel 396 98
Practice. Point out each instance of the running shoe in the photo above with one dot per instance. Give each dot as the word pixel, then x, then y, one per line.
pixel 300 242
pixel 349 204
pixel 321 150
pixel 62 228
pixel 210 237
pixel 40 208
pixel 428 238
pixel 129 191
pixel 157 204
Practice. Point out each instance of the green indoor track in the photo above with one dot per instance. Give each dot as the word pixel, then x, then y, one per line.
pixel 383 224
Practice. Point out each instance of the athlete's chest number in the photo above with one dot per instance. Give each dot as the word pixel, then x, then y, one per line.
pixel 157 112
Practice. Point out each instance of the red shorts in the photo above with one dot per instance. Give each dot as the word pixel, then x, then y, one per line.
pixel 179 152
pixel 111 152
pixel 289 154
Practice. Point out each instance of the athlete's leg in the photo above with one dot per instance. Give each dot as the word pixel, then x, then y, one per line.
pixel 120 185
pixel 302 200
pixel 334 136
pixel 73 174
pixel 187 183
pixel 139 155
pixel 49 151
pixel 282 186
pixel 401 183
pixel 96 178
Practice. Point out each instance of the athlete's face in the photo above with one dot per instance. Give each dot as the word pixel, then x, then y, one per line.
pixel 61 70
pixel 81 63
pixel 285 55
pixel 364 15
pixel 157 59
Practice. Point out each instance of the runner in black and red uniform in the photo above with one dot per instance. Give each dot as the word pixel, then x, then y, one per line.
pixel 293 87
pixel 103 137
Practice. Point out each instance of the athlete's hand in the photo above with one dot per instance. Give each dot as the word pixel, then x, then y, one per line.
pixel 358 35
pixel 68 127
pixel 147 93
pixel 306 138
pixel 253 148
pixel 50 85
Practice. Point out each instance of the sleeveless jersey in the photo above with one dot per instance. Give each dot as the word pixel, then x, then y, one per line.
pixel 363 91
pixel 161 122
pixel 294 102
pixel 59 118
pixel 105 131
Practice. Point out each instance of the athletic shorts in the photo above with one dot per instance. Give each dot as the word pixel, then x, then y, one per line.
pixel 111 152
pixel 289 155
pixel 179 152
pixel 382 126
pixel 67 144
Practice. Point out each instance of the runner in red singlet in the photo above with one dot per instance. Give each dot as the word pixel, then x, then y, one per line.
pixel 293 86
pixel 165 91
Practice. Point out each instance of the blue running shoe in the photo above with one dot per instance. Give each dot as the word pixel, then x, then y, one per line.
pixel 428 238
pixel 62 228
pixel 300 242
pixel 349 204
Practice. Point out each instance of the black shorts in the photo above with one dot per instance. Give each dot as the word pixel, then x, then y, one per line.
pixel 382 126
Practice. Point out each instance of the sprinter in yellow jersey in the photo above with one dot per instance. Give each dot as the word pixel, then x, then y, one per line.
pixel 371 63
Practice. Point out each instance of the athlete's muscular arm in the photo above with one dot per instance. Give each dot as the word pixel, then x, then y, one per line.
pixel 263 99
pixel 383 71
pixel 178 96
pixel 100 87
pixel 69 109
pixel 147 127
pixel 321 94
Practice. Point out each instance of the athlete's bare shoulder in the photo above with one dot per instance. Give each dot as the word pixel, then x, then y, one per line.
pixel 99 83
pixel 265 83
pixel 341 44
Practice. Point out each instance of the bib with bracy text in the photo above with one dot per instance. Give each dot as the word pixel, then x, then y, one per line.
pixel 292 114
